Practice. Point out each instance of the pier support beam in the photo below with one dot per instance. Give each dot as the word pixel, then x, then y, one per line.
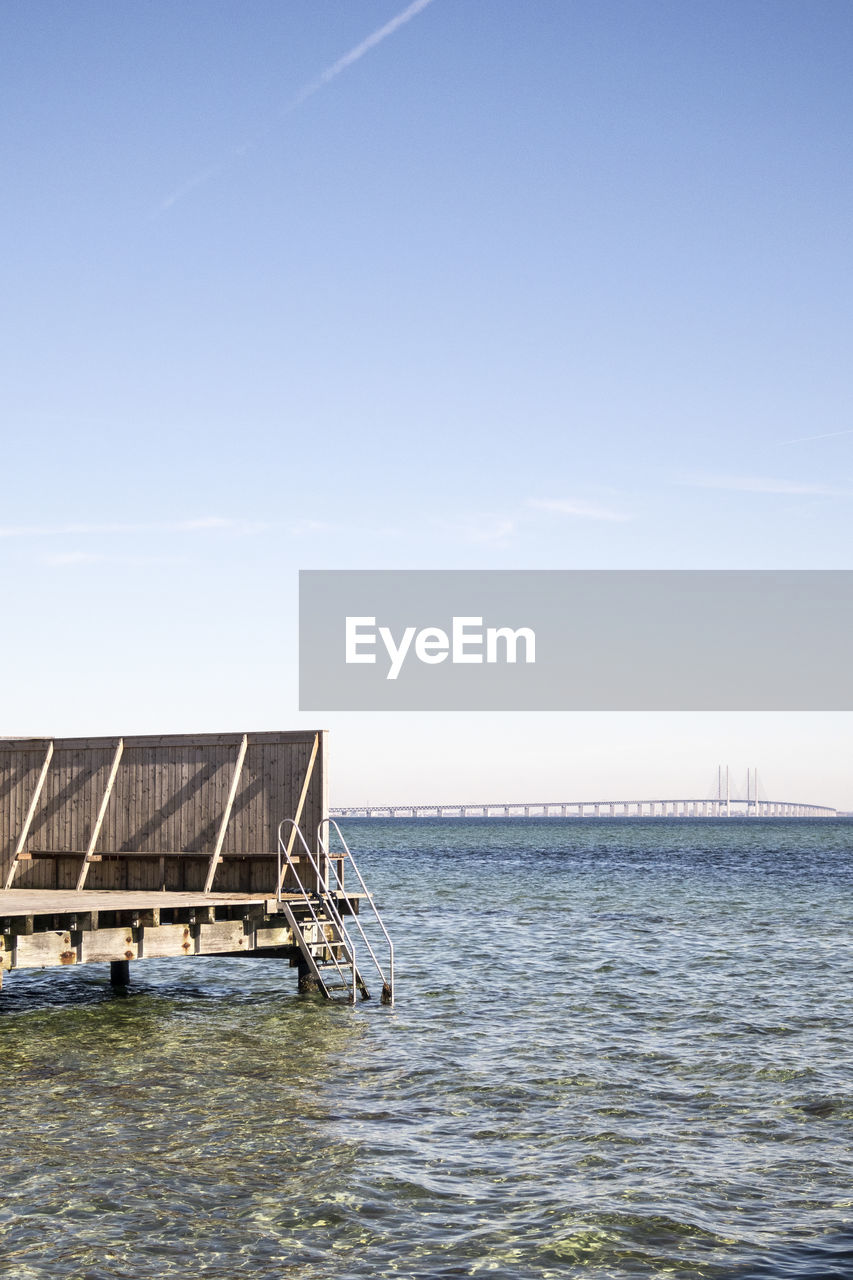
pixel 305 978
pixel 120 973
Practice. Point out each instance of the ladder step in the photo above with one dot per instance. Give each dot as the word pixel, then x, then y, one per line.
pixel 319 912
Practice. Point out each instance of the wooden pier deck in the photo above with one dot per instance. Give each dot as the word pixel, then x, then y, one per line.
pixel 22 902
pixel 117 850
pixel 43 928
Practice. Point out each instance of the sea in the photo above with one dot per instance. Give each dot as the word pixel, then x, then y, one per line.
pixel 619 1048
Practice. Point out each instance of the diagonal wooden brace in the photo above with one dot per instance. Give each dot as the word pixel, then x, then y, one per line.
pixel 96 830
pixel 223 826
pixel 31 812
pixel 298 815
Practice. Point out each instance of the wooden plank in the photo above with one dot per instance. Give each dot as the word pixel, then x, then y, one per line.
pixel 322 810
pixel 14 771
pixel 297 816
pixel 84 870
pixel 168 940
pixel 224 935
pixel 279 936
pixel 168 797
pixel 193 811
pixel 43 950
pixel 165 741
pixel 25 830
pixel 129 809
pixel 223 826
pixel 154 841
pixel 20 903
pixel 97 946
pixel 146 799
pixel 174 783
pixel 137 855
pixel 55 948
pixel 249 829
pixel 57 831
pixel 81 785
pixel 181 799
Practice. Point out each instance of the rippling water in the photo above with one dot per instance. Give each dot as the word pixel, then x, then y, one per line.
pixel 619 1049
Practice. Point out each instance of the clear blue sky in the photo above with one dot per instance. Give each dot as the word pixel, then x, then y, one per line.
pixel 551 286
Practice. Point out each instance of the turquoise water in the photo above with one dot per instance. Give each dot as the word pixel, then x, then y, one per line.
pixel 619 1049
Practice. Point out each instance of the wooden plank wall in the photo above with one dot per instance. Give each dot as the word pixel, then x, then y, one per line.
pixel 169 796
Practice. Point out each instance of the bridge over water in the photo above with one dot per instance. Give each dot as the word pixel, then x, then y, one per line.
pixel 720 807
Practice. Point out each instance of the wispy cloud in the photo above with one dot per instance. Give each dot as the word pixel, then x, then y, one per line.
pixel 325 77
pixel 64 558
pixel 310 528
pixel 203 524
pixel 489 528
pixel 766 484
pixel 577 509
pixel 211 522
pixel 481 528
pixel 826 435
pixel 77 559
pixel 306 528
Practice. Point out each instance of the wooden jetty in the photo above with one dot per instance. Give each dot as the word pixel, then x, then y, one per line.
pixel 121 849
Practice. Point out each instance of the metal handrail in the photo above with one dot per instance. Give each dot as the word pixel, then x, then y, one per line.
pixel 329 903
pixel 387 983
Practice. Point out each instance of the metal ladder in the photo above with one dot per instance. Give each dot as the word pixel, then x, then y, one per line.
pixel 330 951
pixel 386 975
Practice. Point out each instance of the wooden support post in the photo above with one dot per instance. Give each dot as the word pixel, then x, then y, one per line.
pixel 301 805
pixel 120 973
pixel 93 840
pixel 220 839
pixel 31 813
pixel 305 980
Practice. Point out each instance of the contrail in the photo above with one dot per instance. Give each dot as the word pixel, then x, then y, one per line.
pixel 827 435
pixel 361 49
pixel 324 78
